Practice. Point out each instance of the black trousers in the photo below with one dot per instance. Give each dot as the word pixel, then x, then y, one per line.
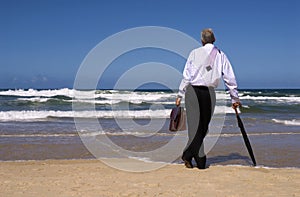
pixel 200 103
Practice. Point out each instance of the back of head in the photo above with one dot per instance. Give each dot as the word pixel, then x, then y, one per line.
pixel 207 36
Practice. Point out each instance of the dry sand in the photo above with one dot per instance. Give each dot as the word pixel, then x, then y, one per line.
pixel 93 178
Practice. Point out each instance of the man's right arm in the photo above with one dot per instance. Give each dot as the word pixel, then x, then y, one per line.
pixel 186 75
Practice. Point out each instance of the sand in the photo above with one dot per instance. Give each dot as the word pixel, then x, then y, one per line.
pixel 93 178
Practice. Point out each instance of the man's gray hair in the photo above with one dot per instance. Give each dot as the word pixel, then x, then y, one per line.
pixel 207 36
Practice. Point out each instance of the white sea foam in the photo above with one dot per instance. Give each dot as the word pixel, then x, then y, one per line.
pixel 34 99
pixel 135 133
pixel 227 135
pixel 105 94
pixel 138 114
pixel 89 134
pixel 41 135
pixel 92 101
pixel 257 167
pixel 38 135
pixel 38 93
pixel 137 96
pixel 108 94
pixel 294 99
pixel 130 95
pixel 38 115
pixel 293 122
pixel 147 160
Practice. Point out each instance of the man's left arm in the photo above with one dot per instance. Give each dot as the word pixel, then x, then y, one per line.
pixel 230 82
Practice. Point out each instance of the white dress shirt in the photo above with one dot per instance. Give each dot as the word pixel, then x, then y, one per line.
pixel 204 68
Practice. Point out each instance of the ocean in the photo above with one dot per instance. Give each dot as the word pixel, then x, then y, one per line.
pixel 48 124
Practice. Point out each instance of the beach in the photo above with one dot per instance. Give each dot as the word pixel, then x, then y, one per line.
pixel 93 178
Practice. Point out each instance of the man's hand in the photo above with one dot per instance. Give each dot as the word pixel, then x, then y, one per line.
pixel 236 104
pixel 178 100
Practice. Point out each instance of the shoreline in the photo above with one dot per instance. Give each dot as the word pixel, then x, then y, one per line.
pixel 93 178
pixel 171 164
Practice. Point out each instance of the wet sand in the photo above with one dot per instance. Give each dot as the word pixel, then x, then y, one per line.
pixel 93 178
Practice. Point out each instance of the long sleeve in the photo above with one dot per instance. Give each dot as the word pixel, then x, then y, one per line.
pixel 186 75
pixel 230 81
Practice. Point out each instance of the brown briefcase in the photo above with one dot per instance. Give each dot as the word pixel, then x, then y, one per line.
pixel 177 119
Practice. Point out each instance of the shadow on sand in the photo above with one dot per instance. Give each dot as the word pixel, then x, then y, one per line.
pixel 227 158
pixel 232 159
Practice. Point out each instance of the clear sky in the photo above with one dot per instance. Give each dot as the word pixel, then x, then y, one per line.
pixel 42 43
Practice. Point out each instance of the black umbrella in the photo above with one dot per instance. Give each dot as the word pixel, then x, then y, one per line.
pixel 246 139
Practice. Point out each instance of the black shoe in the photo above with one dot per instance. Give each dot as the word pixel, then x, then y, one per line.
pixel 201 162
pixel 187 163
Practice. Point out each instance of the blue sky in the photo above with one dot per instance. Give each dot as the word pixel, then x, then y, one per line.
pixel 42 43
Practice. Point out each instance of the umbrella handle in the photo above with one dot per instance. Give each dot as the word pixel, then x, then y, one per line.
pixel 236 112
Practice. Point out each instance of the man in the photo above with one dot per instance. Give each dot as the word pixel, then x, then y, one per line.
pixel 204 68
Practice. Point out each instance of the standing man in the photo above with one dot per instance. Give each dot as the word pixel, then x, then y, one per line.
pixel 203 70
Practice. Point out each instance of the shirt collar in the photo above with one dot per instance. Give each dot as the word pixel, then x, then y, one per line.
pixel 208 46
